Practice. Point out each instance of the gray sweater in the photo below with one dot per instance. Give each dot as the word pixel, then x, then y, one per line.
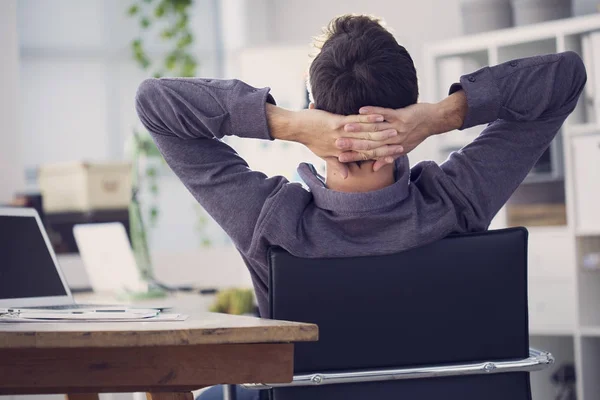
pixel 524 101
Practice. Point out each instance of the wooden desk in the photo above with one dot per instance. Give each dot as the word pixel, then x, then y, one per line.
pixel 165 359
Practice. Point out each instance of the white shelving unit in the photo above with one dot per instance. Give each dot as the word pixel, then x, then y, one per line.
pixel 564 298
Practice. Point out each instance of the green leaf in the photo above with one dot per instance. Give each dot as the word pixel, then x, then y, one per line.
pixel 133 10
pixel 185 41
pixel 171 61
pixel 153 213
pixel 145 22
pixel 159 11
pixel 151 172
pixel 150 150
pixel 182 22
pixel 167 34
pixel 145 63
pixel 189 66
pixel 157 74
pixel 187 72
pixel 154 189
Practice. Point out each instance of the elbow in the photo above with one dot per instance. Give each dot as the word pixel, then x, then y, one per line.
pixel 147 90
pixel 575 68
pixel 144 99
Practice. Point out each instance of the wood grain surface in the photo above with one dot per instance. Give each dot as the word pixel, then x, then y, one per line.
pixel 199 328
pixel 142 369
pixel 169 396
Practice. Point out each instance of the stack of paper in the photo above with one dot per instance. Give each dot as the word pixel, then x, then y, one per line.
pixel 86 315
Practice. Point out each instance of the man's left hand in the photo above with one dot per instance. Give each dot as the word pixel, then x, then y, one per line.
pixel 319 130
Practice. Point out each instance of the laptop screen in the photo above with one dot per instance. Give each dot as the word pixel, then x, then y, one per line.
pixel 26 266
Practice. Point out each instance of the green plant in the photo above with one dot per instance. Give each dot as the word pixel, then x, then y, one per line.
pixel 143 147
pixel 234 301
pixel 172 20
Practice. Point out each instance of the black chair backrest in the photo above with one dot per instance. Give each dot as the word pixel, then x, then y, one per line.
pixel 461 299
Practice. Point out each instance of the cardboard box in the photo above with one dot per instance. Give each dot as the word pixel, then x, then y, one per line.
pixel 82 186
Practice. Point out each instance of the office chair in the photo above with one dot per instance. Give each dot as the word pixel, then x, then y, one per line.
pixel 444 321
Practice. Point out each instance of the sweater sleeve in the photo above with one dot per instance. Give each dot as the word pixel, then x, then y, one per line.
pixel 187 118
pixel 525 102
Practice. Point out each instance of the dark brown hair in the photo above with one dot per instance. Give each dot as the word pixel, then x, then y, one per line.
pixel 360 63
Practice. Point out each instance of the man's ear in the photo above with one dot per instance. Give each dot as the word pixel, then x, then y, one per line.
pixel 311 106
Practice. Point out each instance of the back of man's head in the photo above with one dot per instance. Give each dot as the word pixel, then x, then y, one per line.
pixel 361 64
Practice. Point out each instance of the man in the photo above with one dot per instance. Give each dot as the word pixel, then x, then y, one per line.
pixel 377 205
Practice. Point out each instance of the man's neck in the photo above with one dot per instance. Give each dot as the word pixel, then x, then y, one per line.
pixel 361 178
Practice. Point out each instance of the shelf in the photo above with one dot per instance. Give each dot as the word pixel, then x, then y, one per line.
pixel 591 331
pixel 587 232
pixel 582 129
pixel 533 177
pixel 563 350
pixel 551 332
pixel 527 49
pixel 548 230
pixel 590 365
pixel 514 36
pixel 564 316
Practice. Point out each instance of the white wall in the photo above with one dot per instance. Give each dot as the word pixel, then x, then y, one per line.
pixel 10 162
pixel 78 79
pixel 414 22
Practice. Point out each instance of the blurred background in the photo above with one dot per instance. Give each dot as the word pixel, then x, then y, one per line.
pixel 72 147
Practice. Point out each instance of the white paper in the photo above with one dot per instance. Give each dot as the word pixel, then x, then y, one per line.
pixel 132 315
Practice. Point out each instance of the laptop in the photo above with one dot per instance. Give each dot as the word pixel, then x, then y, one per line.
pixel 29 272
pixel 108 258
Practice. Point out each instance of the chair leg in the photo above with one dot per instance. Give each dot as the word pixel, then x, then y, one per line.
pixel 229 392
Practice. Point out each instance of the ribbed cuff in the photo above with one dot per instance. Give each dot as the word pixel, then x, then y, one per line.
pixel 483 97
pixel 248 116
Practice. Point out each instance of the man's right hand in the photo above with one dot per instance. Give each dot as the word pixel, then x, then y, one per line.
pixel 413 125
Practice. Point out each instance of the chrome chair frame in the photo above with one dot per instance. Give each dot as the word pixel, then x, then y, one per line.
pixel 537 361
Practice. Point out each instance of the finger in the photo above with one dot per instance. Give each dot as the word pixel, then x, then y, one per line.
pixel 356 144
pixel 377 140
pixel 369 110
pixel 389 150
pixel 380 152
pixel 350 156
pixel 382 162
pixel 363 119
pixel 367 127
pixel 338 167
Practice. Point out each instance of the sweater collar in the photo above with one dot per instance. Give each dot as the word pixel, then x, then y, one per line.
pixel 356 202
